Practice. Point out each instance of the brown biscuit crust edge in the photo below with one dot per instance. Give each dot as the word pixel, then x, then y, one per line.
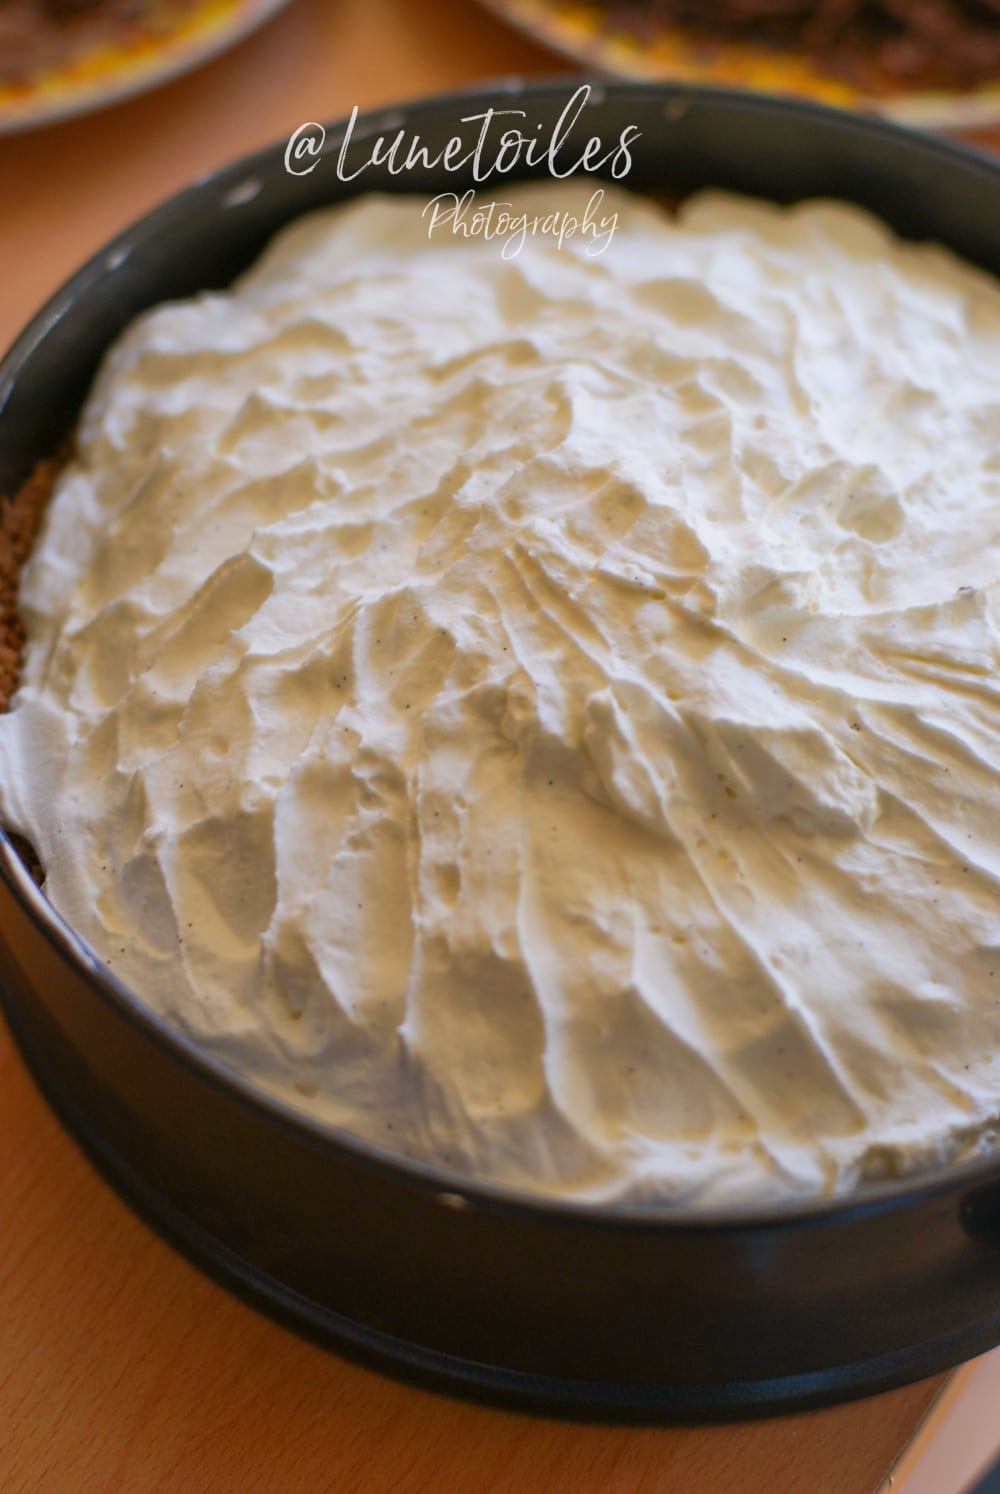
pixel 20 521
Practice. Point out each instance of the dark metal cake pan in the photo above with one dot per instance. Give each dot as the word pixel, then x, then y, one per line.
pixel 608 1311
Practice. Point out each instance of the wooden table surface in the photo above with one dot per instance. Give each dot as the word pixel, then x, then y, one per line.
pixel 122 1368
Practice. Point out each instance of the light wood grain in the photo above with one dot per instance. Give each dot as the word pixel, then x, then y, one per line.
pixel 122 1368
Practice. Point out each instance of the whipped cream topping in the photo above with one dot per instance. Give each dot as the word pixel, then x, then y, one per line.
pixel 542 715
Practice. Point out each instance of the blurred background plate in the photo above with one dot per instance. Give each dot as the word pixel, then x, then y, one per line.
pixel 104 73
pixel 603 36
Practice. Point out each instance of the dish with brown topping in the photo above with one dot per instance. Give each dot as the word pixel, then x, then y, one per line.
pixel 39 35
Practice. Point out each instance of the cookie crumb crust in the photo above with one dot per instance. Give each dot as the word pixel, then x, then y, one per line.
pixel 20 521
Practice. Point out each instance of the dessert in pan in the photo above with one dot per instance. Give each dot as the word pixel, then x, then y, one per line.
pixel 530 701
pixel 511 697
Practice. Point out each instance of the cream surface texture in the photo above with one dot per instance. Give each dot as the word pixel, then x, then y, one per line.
pixel 541 714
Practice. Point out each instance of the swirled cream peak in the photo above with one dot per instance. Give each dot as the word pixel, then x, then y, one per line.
pixel 543 714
